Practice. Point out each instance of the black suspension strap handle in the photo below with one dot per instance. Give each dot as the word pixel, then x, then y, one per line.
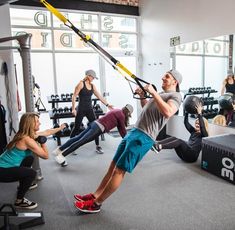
pixel 87 39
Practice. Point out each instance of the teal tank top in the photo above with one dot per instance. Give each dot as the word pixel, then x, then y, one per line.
pixel 13 157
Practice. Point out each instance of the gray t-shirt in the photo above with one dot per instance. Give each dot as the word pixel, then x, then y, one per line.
pixel 151 121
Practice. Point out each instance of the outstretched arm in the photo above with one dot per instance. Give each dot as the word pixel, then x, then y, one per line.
pixel 101 98
pixel 49 132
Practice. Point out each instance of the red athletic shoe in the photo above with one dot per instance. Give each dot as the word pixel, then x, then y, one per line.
pixel 88 206
pixel 86 197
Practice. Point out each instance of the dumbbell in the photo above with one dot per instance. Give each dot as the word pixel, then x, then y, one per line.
pixel 52 97
pixel 66 109
pixel 82 127
pixel 60 110
pixel 63 97
pixel 71 125
pixel 68 96
pixel 59 133
pixel 54 111
pixel 41 139
pixel 66 130
pixel 57 98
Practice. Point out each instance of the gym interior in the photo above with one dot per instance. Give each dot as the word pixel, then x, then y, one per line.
pixel 127 44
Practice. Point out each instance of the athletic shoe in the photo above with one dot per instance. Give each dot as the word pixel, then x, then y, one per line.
pixel 64 164
pixel 74 153
pixel 57 151
pixel 88 206
pixel 86 197
pixel 39 177
pixel 99 150
pixel 33 186
pixel 60 159
pixel 154 149
pixel 25 204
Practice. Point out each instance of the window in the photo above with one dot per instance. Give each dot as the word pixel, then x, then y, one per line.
pixel 60 57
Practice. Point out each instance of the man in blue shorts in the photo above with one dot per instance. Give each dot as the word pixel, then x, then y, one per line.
pixel 133 147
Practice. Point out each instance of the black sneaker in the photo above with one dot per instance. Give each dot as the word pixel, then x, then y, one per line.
pixel 99 150
pixel 25 204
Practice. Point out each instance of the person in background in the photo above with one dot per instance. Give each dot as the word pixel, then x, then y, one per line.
pixel 16 161
pixel 135 145
pixel 84 90
pixel 115 118
pixel 189 150
pixel 228 84
pixel 219 120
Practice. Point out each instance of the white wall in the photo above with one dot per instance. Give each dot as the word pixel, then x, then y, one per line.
pixel 190 19
pixel 7 56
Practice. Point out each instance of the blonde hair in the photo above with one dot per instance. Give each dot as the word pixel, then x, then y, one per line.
pixel 206 125
pixel 26 128
pixel 219 120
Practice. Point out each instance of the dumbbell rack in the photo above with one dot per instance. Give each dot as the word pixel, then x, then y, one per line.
pixel 55 117
pixel 209 112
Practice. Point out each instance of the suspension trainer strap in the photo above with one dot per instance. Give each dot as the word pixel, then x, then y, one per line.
pixel 87 39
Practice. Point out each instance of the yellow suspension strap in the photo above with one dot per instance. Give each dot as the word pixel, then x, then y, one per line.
pixel 87 39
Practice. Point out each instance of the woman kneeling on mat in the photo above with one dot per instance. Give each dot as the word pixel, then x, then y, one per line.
pixel 189 150
pixel 115 118
pixel 16 161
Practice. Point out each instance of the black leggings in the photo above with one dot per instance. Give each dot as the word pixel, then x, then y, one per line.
pixel 24 174
pixel 81 113
pixel 183 150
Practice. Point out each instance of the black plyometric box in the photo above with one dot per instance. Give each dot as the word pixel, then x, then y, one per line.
pixel 218 156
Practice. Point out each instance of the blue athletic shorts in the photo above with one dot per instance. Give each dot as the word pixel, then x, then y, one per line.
pixel 132 149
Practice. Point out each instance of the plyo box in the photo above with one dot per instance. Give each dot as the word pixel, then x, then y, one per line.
pixel 218 156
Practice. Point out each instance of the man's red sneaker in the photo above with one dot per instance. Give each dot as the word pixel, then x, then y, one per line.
pixel 88 206
pixel 86 197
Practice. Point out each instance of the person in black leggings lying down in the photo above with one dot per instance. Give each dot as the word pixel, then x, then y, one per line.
pixel 189 150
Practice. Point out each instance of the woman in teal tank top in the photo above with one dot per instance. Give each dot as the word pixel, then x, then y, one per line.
pixel 16 161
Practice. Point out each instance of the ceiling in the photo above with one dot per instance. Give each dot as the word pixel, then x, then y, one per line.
pixel 2 2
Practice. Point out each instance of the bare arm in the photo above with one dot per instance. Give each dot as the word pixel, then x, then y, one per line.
pixel 167 109
pixel 140 92
pixel 223 87
pixel 199 108
pixel 75 94
pixel 49 132
pixel 101 98
pixel 121 128
pixel 39 149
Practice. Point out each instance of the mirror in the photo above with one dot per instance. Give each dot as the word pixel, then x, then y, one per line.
pixel 205 64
